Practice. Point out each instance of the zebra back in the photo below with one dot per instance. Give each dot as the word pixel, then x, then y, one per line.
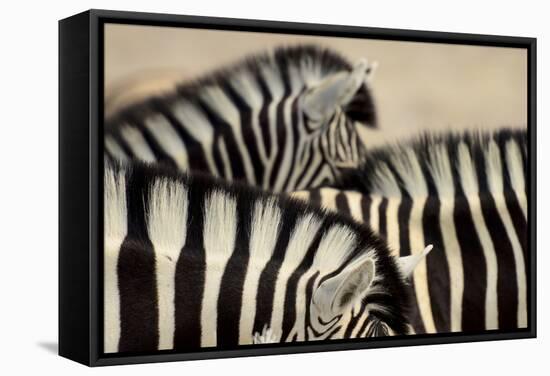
pixel 466 195
pixel 282 121
pixel 193 262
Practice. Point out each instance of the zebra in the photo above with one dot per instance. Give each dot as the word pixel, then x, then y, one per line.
pixel 191 262
pixel 466 195
pixel 284 120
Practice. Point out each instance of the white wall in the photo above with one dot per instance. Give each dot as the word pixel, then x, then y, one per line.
pixel 417 87
pixel 28 200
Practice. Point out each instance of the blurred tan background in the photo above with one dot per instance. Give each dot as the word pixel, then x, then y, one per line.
pixel 417 86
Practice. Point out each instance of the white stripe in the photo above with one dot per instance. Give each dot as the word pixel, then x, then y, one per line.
pixel 517 175
pixel 285 167
pixel 114 149
pixel 303 144
pixel 340 131
pixel 468 180
pixel 218 102
pixel 168 138
pixel 227 172
pixel 195 122
pixel 274 83
pixel 454 260
pixel 167 228
pixel 408 168
pixel 392 225
pixel 266 222
pixel 116 228
pixel 137 143
pixel 355 333
pixel 331 131
pixel 301 195
pixel 386 185
pixel 374 222
pixel 247 88
pixel 496 186
pixel 354 203
pixel 328 198
pixel 220 228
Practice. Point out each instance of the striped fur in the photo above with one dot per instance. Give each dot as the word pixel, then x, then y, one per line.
pixel 247 122
pixel 193 262
pixel 466 195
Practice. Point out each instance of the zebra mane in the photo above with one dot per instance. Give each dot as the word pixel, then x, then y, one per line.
pixel 482 161
pixel 307 64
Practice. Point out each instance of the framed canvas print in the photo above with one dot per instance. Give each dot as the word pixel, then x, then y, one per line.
pixel 239 187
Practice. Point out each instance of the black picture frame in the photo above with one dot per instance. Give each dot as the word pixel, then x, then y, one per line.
pixel 80 180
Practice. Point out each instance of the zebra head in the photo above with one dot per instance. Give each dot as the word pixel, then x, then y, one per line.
pixel 334 110
pixel 284 120
pixel 362 299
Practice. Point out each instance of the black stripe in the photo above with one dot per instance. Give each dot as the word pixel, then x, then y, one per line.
pixel 117 136
pixel 296 135
pixel 365 208
pixel 268 277
pixel 312 153
pixel 309 295
pixel 316 174
pixel 507 289
pixel 361 331
pixel 438 275
pixel 247 131
pixel 315 197
pixel 355 320
pixel 306 145
pixel 382 213
pixel 342 204
pixel 474 265
pixel 108 156
pixel 218 159
pixel 232 282
pixel 136 275
pixel 190 276
pixel 263 116
pixel 281 134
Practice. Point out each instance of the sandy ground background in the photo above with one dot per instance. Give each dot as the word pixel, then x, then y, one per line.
pixel 418 86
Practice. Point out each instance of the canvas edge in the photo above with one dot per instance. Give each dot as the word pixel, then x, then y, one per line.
pixel 90 342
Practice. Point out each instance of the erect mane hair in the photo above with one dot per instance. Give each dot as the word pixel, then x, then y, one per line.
pixel 414 166
pixel 389 300
pixel 312 62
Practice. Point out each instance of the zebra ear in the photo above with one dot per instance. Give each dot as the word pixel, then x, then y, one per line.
pixel 335 90
pixel 407 264
pixel 336 293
